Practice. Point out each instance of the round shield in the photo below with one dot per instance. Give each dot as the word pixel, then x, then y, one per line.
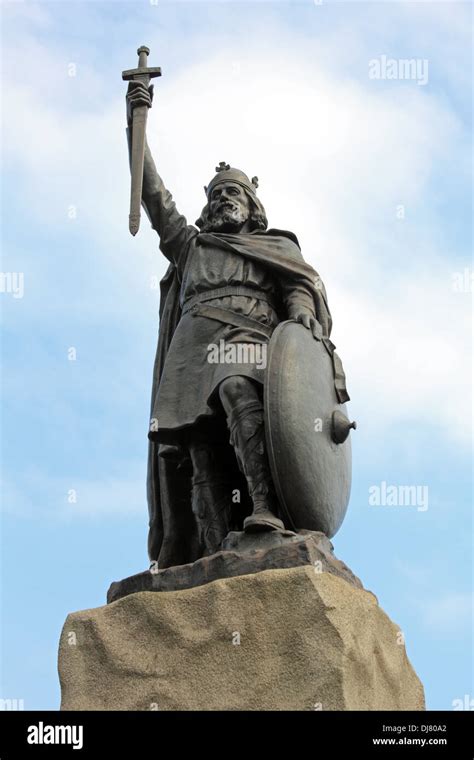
pixel 303 422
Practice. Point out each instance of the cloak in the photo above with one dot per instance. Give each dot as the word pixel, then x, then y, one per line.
pixel 172 538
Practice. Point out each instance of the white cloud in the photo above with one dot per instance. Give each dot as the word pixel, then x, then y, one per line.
pixel 334 156
pixel 74 497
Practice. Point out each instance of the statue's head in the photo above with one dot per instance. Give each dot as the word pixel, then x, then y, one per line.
pixel 232 203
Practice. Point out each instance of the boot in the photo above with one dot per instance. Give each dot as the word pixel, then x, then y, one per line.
pixel 248 439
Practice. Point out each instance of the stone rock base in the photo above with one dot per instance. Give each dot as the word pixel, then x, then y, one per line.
pixel 285 639
pixel 241 554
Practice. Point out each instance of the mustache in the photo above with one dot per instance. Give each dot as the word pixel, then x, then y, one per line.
pixel 223 205
pixel 228 210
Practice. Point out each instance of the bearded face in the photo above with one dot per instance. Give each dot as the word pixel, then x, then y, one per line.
pixel 229 207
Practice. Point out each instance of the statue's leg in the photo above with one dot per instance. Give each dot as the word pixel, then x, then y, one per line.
pixel 244 410
pixel 211 494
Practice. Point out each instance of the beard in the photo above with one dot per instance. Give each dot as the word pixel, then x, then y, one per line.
pixel 228 218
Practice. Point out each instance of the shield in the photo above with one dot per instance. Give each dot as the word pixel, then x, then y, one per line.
pixel 307 431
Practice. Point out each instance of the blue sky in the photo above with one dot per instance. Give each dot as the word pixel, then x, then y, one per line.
pixel 373 175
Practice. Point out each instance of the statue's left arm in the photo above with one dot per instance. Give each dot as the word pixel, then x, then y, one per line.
pixel 299 302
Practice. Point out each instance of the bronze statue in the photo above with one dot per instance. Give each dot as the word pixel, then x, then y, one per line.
pixel 231 283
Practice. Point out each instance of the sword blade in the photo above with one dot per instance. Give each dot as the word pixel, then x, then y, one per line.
pixel 138 158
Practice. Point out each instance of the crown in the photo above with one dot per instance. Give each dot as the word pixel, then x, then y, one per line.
pixel 226 173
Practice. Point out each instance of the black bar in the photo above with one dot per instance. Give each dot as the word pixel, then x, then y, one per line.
pixel 375 734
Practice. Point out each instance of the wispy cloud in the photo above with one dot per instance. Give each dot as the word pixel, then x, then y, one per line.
pixel 38 495
pixel 336 163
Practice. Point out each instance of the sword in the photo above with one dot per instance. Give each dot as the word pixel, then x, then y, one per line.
pixel 141 74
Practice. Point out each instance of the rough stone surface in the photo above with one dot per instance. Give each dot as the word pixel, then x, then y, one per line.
pixel 241 554
pixel 308 640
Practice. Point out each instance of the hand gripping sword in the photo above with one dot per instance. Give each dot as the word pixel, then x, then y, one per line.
pixel 141 74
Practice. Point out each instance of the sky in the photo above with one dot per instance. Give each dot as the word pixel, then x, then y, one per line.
pixel 366 158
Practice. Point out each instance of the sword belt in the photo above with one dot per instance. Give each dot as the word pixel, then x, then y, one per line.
pixel 197 306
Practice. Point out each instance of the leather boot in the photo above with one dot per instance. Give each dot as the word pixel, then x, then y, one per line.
pixel 247 436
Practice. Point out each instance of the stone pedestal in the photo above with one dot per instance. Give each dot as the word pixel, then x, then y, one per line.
pixel 241 554
pixel 299 638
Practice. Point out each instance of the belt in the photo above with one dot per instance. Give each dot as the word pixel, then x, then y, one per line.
pixel 230 318
pixel 229 290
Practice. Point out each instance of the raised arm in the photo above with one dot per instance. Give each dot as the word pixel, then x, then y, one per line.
pixel 157 201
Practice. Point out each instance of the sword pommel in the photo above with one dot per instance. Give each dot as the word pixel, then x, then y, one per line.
pixel 143 52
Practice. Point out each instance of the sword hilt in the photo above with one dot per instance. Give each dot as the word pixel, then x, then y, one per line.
pixel 142 71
